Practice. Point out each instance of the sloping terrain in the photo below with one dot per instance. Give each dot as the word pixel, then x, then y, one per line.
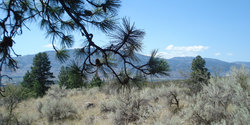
pixel 177 65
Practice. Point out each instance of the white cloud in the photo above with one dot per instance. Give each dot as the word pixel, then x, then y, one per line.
pixel 182 51
pixel 186 48
pixel 48 46
pixel 170 47
pixel 172 54
pixel 217 54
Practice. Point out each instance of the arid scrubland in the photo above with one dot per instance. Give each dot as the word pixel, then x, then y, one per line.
pixel 225 100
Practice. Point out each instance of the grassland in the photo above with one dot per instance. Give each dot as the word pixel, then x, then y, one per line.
pixel 224 101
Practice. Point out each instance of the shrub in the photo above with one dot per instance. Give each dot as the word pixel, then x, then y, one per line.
pixel 57 106
pixel 222 101
pixel 3 119
pixel 110 84
pixel 174 95
pixel 39 107
pixel 58 109
pixel 108 105
pixel 76 91
pixel 167 118
pixel 171 95
pixel 56 91
pixel 131 108
pixel 241 76
pixel 89 120
pixel 93 91
pixel 14 95
pixel 26 119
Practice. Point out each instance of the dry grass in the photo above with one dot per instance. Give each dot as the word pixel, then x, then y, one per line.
pixel 154 106
pixel 161 112
pixel 29 108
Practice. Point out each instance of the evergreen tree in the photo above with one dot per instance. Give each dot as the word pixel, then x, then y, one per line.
pixel 39 79
pixel 38 88
pixel 96 81
pixel 70 77
pixel 200 74
pixel 27 80
pixel 63 76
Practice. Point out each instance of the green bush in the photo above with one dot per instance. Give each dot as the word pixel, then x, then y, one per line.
pixel 96 81
pixel 13 96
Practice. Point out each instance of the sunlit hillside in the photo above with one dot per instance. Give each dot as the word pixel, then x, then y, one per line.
pixel 225 100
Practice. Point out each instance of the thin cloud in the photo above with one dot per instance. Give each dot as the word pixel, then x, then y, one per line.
pixel 170 47
pixel 186 48
pixel 182 51
pixel 217 54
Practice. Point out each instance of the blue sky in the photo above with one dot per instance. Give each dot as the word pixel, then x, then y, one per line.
pixel 211 28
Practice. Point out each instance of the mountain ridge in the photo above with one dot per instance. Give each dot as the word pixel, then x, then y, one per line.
pixel 177 65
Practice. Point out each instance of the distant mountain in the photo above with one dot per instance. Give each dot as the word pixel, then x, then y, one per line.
pixel 177 65
pixel 184 64
pixel 243 63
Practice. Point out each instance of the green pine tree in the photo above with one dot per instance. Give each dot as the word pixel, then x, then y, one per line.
pixel 63 76
pixel 96 81
pixel 199 75
pixel 39 79
pixel 70 77
pixel 27 80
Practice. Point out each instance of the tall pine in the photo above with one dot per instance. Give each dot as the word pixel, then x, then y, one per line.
pixel 39 79
pixel 199 75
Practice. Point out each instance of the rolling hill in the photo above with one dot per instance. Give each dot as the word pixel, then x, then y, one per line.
pixel 177 65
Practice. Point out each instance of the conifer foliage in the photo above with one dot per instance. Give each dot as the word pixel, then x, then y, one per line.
pixel 199 75
pixel 96 81
pixel 61 18
pixel 40 76
pixel 70 77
